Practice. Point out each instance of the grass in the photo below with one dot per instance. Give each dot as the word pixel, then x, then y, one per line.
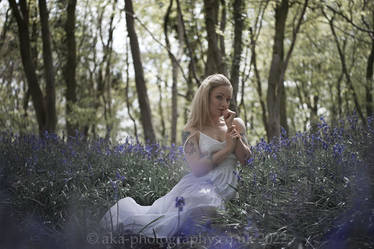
pixel 311 190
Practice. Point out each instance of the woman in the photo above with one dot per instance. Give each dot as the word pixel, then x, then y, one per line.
pixel 215 140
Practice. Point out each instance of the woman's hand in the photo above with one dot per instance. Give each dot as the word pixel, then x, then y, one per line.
pixel 228 116
pixel 232 136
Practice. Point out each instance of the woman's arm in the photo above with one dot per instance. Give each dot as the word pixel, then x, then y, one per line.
pixel 200 163
pixel 242 150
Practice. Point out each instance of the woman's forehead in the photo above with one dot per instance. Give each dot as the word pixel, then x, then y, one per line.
pixel 222 89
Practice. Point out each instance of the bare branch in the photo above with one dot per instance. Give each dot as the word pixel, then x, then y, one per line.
pixel 370 31
pixel 157 41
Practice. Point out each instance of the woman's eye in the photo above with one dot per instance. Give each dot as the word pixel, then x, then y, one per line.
pixel 228 100
pixel 219 97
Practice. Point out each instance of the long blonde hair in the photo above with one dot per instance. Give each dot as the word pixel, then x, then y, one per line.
pixel 200 115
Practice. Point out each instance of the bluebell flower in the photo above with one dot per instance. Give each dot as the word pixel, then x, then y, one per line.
pixel 283 132
pixel 179 203
pixel 338 149
pixel 273 176
pixel 325 146
pixel 148 148
pixel 237 175
pixel 353 157
pixel 323 123
pixel 120 177
pixel 115 188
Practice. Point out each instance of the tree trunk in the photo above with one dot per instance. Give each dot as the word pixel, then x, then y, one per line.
pixel 127 90
pixel 274 81
pixel 369 80
pixel 276 98
pixel 50 101
pixel 27 62
pixel 221 36
pixel 283 106
pixel 214 64
pixel 344 68
pixel 70 67
pixel 188 45
pixel 108 79
pixel 161 109
pixel 145 110
pixel 235 66
pixel 189 92
pixel 339 95
pixel 7 24
pixel 174 63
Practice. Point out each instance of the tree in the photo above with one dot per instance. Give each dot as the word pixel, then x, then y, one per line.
pixel 175 61
pixel 44 108
pixel 276 94
pixel 345 70
pixel 235 65
pixel 146 115
pixel 215 62
pixel 70 66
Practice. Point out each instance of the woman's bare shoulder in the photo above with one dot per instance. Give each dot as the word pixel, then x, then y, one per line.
pixel 239 123
pixel 189 133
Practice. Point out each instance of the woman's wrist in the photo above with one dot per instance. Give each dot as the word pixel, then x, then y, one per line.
pixel 219 156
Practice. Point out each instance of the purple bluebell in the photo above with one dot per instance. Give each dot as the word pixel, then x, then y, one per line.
pixel 179 203
pixel 120 177
pixel 237 175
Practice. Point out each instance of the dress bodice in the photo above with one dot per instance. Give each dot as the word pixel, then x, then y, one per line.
pixel 208 145
pixel 222 176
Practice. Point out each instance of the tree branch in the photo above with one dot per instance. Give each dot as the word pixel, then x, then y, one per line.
pixel 157 41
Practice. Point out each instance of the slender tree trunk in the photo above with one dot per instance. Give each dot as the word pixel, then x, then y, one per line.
pixel 214 64
pixel 70 67
pixel 20 13
pixel 273 97
pixel 339 95
pixel 221 35
pixel 188 45
pixel 160 108
pixel 127 91
pixel 311 102
pixel 345 69
pixel 174 63
pixel 7 23
pixel 253 35
pixel 146 115
pixel 108 74
pixel 189 92
pixel 51 119
pixel 283 106
pixel 369 80
pixel 258 80
pixel 235 66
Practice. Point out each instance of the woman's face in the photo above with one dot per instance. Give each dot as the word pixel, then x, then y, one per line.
pixel 219 100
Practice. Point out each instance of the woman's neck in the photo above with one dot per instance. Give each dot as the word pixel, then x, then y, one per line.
pixel 216 121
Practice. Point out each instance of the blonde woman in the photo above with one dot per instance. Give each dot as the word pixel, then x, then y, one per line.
pixel 214 142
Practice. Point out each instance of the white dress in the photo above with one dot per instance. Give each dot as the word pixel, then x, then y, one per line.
pixel 161 218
